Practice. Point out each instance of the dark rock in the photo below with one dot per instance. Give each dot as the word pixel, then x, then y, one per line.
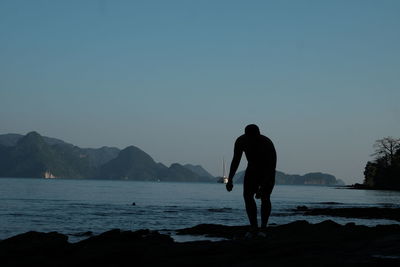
pixel 297 243
pixel 36 240
pixel 301 208
pixel 328 224
pixel 33 249
pixel 365 213
pixel 87 233
pixel 214 230
pixel 118 236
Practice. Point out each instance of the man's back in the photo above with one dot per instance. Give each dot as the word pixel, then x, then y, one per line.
pixel 259 150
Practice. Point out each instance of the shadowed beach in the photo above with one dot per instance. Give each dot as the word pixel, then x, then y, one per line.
pixel 323 244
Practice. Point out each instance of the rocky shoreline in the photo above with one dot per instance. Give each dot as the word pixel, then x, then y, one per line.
pixel 361 213
pixel 323 244
pixel 358 186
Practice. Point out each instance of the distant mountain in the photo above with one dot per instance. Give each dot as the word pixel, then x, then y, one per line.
pixel 131 164
pixel 200 171
pixel 9 139
pixel 100 156
pixel 316 178
pixel 179 173
pixel 12 140
pixel 134 164
pixel 34 155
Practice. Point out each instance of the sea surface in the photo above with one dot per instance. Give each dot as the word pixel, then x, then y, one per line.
pixel 74 207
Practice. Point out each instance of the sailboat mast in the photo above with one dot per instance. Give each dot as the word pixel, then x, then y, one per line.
pixel 223 167
pixel 224 178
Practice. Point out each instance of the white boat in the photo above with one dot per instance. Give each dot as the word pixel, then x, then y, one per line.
pixel 223 178
pixel 48 175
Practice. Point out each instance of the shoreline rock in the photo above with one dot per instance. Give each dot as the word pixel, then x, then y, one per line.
pixel 361 213
pixel 322 244
pixel 366 187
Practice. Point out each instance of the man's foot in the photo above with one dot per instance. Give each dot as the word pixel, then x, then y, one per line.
pixel 255 235
pixel 262 234
pixel 252 233
pixel 249 235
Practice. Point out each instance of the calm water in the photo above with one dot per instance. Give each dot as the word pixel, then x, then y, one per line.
pixel 75 206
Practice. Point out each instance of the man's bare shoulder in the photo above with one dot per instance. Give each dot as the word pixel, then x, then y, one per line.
pixel 240 142
pixel 265 138
pixel 241 139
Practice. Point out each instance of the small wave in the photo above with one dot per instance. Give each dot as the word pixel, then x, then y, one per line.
pixel 170 211
pixel 219 209
pixel 102 214
pixel 16 214
pixel 82 234
pixel 388 205
pixel 281 214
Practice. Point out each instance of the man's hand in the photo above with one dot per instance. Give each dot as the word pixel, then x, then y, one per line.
pixel 229 186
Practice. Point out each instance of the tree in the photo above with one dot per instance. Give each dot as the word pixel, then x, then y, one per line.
pixel 386 149
pixel 384 171
pixel 370 173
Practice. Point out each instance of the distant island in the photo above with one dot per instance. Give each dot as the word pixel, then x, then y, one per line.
pixel 37 156
pixel 315 178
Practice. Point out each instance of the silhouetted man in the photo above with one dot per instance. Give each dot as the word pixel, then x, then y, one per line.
pixel 259 179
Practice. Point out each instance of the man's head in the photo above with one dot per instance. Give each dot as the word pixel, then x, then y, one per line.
pixel 252 130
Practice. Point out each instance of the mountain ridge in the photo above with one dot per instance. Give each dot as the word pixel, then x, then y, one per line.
pixel 312 178
pixel 34 155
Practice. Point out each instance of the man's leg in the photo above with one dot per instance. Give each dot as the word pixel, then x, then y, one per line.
pixel 250 203
pixel 265 210
pixel 266 190
pixel 251 209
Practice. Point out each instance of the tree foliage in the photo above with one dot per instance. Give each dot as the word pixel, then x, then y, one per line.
pixel 385 149
pixel 384 171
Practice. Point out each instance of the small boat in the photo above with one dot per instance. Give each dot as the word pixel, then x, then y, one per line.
pixel 223 179
pixel 48 175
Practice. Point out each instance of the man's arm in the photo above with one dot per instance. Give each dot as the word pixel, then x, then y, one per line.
pixel 237 156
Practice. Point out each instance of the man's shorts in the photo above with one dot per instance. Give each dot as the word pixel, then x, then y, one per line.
pixel 258 181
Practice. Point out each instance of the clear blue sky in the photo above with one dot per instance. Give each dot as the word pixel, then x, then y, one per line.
pixel 181 79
